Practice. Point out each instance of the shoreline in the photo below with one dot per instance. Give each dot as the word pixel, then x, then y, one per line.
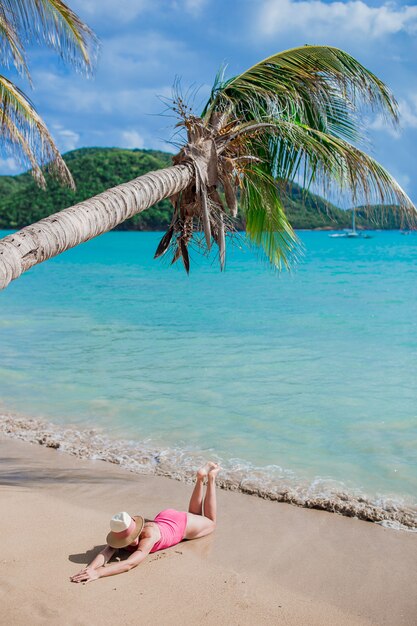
pixel 266 563
pixel 141 458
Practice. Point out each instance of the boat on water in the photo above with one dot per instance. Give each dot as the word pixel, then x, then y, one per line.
pixel 351 233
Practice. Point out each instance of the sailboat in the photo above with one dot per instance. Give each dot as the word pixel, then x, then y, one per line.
pixel 351 233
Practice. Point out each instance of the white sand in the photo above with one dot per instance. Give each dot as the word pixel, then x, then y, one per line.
pixel 267 563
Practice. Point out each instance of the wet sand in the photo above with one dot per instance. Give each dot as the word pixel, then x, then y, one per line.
pixel 267 563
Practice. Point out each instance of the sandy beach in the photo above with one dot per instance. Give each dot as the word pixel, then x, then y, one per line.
pixel 268 562
pixel 172 326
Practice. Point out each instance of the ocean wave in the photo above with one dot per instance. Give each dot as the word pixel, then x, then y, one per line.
pixel 269 482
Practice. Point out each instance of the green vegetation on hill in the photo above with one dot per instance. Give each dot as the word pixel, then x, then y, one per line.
pixel 97 169
pixel 94 170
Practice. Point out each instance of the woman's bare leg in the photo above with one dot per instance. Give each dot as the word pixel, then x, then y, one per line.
pixel 196 500
pixel 210 501
pixel 199 525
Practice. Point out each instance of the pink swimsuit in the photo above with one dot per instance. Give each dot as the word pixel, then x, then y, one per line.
pixel 172 525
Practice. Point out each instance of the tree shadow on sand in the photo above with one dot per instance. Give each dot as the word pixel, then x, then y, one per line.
pixel 15 472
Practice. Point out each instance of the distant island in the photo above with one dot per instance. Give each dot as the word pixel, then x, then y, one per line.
pixel 96 169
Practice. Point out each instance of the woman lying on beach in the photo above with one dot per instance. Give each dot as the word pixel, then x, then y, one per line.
pixel 141 536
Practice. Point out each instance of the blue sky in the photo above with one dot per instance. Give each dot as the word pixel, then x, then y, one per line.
pixel 146 44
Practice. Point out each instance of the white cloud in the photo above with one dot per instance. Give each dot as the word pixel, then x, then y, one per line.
pixel 9 165
pixel 337 20
pixel 132 139
pixel 404 181
pixel 408 112
pixel 380 123
pixel 407 117
pixel 84 98
pixel 133 71
pixel 66 139
pixel 132 58
pixel 194 6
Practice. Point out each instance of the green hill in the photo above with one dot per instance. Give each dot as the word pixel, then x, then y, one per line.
pixel 97 169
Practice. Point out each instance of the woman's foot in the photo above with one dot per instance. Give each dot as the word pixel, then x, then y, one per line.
pixel 214 471
pixel 206 469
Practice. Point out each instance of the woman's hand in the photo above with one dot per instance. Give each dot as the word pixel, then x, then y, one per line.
pixel 86 575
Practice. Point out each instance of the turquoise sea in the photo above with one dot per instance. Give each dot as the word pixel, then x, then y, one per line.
pixel 308 376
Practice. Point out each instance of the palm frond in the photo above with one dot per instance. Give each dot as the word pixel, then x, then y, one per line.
pixel 267 226
pixel 288 149
pixel 320 86
pixel 21 149
pixel 54 23
pixel 21 126
pixel 11 48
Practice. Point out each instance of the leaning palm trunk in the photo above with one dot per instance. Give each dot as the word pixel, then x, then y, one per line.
pixel 81 222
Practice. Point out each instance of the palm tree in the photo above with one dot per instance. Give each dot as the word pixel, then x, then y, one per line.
pixel 296 113
pixel 22 132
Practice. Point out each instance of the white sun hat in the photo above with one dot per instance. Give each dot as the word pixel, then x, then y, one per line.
pixel 124 529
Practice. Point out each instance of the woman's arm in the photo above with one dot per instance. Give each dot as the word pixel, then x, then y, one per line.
pixel 102 557
pixel 99 560
pixel 89 574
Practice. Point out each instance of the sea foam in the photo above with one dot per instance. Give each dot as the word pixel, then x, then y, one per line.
pixel 269 482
